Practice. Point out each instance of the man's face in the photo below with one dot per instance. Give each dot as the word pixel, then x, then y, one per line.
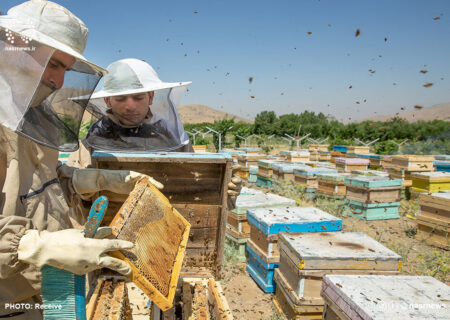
pixel 56 68
pixel 130 109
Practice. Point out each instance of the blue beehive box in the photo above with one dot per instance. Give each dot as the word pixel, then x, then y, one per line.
pixel 266 223
pixel 340 149
pixel 442 165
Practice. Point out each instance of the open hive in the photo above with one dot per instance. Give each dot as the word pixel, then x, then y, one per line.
pixel 160 234
pixel 433 222
pixel 196 185
pixel 351 164
pixel 267 223
pixel 371 297
pixel 109 300
pixel 430 181
pixel 306 258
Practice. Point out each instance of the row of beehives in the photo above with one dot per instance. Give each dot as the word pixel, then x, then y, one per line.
pixel 293 264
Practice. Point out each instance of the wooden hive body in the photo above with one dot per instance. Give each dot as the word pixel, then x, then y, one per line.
pixel 250 159
pixel 318 147
pixel 109 300
pixel 332 184
pixel 358 149
pixel 372 211
pixel 351 164
pixel 160 234
pixel 308 176
pixel 373 189
pixel 413 162
pixel 267 223
pixel 196 185
pixel 371 297
pixel 434 219
pixel 306 258
pixel 395 173
pixel 430 181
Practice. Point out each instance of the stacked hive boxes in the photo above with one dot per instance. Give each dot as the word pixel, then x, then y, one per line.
pixel 324 156
pixel 433 221
pixel 373 197
pixel 351 164
pixel 336 154
pixel 238 229
pixel 402 167
pixel 265 172
pixel 247 160
pixel 307 178
pixel 342 149
pixel 318 147
pixel 332 185
pixel 384 297
pixel 306 258
pixel 295 156
pixel 252 174
pixel 265 224
pixel 285 171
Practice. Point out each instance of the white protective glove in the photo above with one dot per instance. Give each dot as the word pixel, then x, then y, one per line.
pixel 234 187
pixel 87 182
pixel 70 250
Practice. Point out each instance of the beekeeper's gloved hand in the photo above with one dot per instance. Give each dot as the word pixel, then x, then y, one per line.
pixel 234 187
pixel 70 250
pixel 87 182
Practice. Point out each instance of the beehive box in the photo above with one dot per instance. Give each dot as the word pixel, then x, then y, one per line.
pixel 109 300
pixel 324 156
pixel 244 173
pixel 395 173
pixel 196 185
pixel 358 149
pixel 442 157
pixel 160 234
pixel 413 162
pixel 442 166
pixel 233 153
pixel 314 156
pixel 351 164
pixel 283 171
pixel 253 170
pixel 371 173
pixel 250 159
pixel 237 218
pixel 267 223
pixel 336 154
pixel 308 176
pixel 306 258
pixel 263 182
pixel 372 211
pixel 332 184
pixel 430 181
pixel 295 156
pixel 372 297
pixel 250 149
pixel 342 149
pixel 199 149
pixel 433 222
pixel 265 167
pixel 318 147
pixel 373 189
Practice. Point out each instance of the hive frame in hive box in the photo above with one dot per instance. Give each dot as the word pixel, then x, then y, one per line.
pixel 196 185
pixel 162 218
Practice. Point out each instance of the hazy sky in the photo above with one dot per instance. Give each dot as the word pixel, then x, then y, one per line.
pixel 226 42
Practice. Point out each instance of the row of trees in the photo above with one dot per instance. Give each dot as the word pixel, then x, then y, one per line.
pixel 425 137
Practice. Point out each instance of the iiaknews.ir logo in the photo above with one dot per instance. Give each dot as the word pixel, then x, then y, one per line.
pixel 13 44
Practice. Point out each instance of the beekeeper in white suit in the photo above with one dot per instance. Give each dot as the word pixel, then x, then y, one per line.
pixel 138 114
pixel 41 70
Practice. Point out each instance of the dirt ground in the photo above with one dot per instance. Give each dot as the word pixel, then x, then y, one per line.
pixel 248 301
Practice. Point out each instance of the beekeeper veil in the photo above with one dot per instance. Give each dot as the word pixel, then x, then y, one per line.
pixel 160 130
pixel 41 69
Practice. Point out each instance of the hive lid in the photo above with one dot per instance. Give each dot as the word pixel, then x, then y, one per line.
pixel 261 200
pixel 325 250
pixel 373 181
pixel 388 297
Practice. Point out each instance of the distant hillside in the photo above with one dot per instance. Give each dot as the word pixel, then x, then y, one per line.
pixel 198 113
pixel 436 112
